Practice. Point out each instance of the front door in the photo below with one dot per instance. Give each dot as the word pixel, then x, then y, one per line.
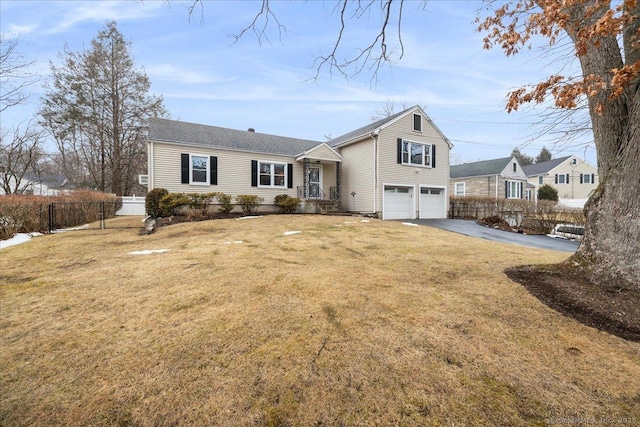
pixel 315 182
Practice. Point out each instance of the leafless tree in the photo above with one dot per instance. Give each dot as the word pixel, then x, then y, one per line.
pixel 20 154
pixel 96 108
pixel 14 74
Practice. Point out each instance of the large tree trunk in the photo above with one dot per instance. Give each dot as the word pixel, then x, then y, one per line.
pixel 610 249
pixel 611 245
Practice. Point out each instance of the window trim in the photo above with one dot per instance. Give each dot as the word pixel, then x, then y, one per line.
pixel 510 185
pixel 464 188
pixel 272 174
pixel 207 169
pixel 419 122
pixel 410 144
pixel 541 180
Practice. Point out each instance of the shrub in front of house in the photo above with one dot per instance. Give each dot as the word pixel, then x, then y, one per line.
pixel 200 202
pixel 170 203
pixel 249 202
pixel 152 201
pixel 286 203
pixel 225 202
pixel 547 192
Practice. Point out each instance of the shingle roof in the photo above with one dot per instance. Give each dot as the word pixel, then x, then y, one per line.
pixel 163 130
pixel 543 167
pixel 54 181
pixel 482 168
pixel 365 130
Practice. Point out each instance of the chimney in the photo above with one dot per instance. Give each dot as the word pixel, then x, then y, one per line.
pixel 251 130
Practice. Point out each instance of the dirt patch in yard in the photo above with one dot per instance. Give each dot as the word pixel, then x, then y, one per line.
pixel 604 306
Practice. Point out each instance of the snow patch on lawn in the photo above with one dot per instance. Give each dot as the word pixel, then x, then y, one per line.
pixel 18 239
pixel 289 233
pixel 62 230
pixel 148 252
pixel 410 224
pixel 364 220
pixel 249 217
pixel 233 242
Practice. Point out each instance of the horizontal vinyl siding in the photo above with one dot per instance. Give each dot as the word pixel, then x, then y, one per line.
pixel 357 175
pixel 509 174
pixel 322 152
pixel 328 178
pixel 573 190
pixel 234 171
pixel 392 172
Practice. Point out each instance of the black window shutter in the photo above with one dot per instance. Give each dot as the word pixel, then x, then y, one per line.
pixel 567 180
pixel 556 178
pixel 506 189
pixel 184 168
pixel 580 178
pixel 433 156
pixel 213 169
pixel 289 175
pixel 254 173
pixel 521 190
pixel 399 151
pixel 592 178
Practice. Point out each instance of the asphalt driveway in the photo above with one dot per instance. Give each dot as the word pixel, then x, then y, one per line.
pixel 470 228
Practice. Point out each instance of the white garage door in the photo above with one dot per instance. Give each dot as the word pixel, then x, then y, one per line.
pixel 432 203
pixel 398 202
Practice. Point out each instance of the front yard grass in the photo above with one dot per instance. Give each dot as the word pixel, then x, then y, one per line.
pixel 345 323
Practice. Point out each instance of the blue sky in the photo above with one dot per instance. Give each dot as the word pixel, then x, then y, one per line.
pixel 206 78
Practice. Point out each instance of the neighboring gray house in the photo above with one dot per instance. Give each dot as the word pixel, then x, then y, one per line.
pixel 499 178
pixel 574 178
pixel 397 167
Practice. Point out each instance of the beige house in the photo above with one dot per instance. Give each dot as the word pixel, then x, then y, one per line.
pixel 574 178
pixel 396 168
pixel 499 178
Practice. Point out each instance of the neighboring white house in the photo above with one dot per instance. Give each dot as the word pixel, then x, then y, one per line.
pixel 397 167
pixel 36 184
pixel 574 178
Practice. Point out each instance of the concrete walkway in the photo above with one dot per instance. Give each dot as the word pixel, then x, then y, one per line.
pixel 471 229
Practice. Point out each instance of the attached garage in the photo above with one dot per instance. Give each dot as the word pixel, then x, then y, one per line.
pixel 397 202
pixel 432 202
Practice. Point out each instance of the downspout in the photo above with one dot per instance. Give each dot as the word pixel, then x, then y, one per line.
pixel 150 166
pixel 374 135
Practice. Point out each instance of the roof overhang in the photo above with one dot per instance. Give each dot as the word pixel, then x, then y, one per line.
pixel 322 152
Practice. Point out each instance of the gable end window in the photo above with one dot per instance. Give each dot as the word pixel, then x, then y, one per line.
pixel 417 154
pixel 540 180
pixel 197 169
pixel 417 122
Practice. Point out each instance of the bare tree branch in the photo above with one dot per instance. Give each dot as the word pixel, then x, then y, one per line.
pixel 14 78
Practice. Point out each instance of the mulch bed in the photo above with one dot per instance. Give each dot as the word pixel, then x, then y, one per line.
pixel 495 222
pixel 603 306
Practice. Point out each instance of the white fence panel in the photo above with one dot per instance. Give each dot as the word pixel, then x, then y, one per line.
pixel 132 205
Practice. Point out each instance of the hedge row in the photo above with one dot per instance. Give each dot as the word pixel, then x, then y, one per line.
pixel 540 216
pixel 27 214
pixel 160 203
